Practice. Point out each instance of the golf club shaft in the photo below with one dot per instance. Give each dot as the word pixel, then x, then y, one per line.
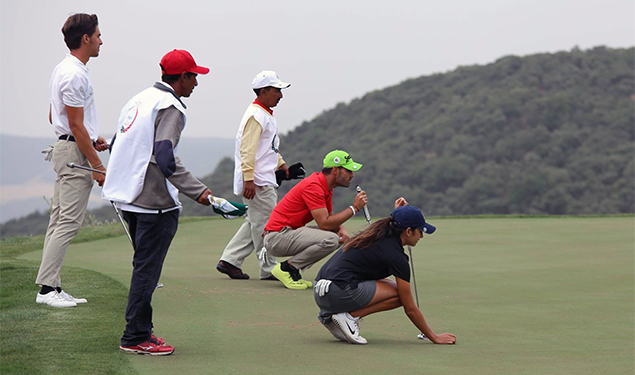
pixel 123 223
pixel 421 336
pixel 414 278
pixel 125 228
pixel 365 209
pixel 73 165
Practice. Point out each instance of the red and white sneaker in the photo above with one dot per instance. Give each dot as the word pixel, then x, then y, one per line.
pixel 158 340
pixel 149 347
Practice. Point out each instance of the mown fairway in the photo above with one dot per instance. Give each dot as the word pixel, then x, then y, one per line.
pixel 523 296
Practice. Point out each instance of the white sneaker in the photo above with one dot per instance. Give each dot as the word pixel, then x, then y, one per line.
pixel 350 327
pixel 335 331
pixel 54 299
pixel 68 297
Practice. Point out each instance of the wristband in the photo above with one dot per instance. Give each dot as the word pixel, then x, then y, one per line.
pixel 352 209
pixel 98 166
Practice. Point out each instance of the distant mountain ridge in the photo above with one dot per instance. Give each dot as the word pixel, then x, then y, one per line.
pixel 540 134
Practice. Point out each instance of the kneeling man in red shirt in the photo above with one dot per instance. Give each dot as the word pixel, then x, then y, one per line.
pixel 311 199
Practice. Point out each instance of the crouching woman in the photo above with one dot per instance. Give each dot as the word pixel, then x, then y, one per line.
pixel 354 282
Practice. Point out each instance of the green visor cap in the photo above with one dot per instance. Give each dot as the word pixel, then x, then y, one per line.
pixel 339 158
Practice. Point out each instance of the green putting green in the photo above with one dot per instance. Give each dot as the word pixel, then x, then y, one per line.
pixel 523 296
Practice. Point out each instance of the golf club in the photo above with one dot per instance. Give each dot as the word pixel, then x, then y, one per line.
pixel 365 209
pixel 123 223
pixel 73 165
pixel 125 228
pixel 412 264
pixel 414 281
pixel 420 336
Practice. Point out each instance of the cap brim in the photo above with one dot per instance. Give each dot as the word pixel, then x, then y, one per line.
pixel 353 167
pixel 199 70
pixel 281 85
pixel 429 228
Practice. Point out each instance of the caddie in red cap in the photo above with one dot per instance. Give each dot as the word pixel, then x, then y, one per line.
pixel 144 180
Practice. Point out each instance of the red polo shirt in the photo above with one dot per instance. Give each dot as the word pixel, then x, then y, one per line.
pixel 294 210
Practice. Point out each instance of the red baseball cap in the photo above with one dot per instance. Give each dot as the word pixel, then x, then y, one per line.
pixel 180 61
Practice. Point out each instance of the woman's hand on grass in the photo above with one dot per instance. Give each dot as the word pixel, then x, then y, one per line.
pixel 444 339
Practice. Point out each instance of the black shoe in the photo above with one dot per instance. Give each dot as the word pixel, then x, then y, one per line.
pixel 231 271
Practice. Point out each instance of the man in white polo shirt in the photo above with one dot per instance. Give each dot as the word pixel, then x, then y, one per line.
pixel 73 115
pixel 256 159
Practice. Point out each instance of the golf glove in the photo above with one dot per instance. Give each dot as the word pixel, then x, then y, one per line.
pixel 264 257
pixel 48 153
pixel 322 287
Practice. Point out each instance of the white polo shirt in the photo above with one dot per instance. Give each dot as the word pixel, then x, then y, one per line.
pixel 70 85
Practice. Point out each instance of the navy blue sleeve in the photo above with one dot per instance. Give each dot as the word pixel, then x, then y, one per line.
pixel 164 155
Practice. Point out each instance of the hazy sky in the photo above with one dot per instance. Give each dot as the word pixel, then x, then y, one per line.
pixel 330 51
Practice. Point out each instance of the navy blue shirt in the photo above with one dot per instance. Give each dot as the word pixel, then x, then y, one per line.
pixel 381 260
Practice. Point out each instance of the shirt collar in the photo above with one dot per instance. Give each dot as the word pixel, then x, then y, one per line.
pixel 257 102
pixel 165 87
pixel 77 61
pixel 322 179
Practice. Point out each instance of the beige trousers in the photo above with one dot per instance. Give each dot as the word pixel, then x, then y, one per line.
pixel 70 198
pixel 306 246
pixel 249 236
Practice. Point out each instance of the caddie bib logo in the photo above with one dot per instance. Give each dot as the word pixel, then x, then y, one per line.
pixel 131 116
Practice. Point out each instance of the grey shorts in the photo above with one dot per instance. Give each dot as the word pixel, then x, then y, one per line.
pixel 339 300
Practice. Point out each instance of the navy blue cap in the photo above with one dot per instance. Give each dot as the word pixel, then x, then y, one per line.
pixel 411 217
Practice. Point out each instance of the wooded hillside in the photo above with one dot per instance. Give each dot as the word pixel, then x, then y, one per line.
pixel 540 134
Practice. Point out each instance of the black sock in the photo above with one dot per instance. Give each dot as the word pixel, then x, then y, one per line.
pixel 286 267
pixel 295 273
pixel 59 289
pixel 46 289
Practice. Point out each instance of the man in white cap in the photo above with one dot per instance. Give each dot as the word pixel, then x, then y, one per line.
pixel 256 159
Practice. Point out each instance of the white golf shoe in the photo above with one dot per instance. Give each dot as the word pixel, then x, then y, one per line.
pixel 350 327
pixel 54 299
pixel 68 297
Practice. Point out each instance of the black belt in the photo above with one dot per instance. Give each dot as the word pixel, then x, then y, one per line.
pixel 70 138
pixel 67 137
